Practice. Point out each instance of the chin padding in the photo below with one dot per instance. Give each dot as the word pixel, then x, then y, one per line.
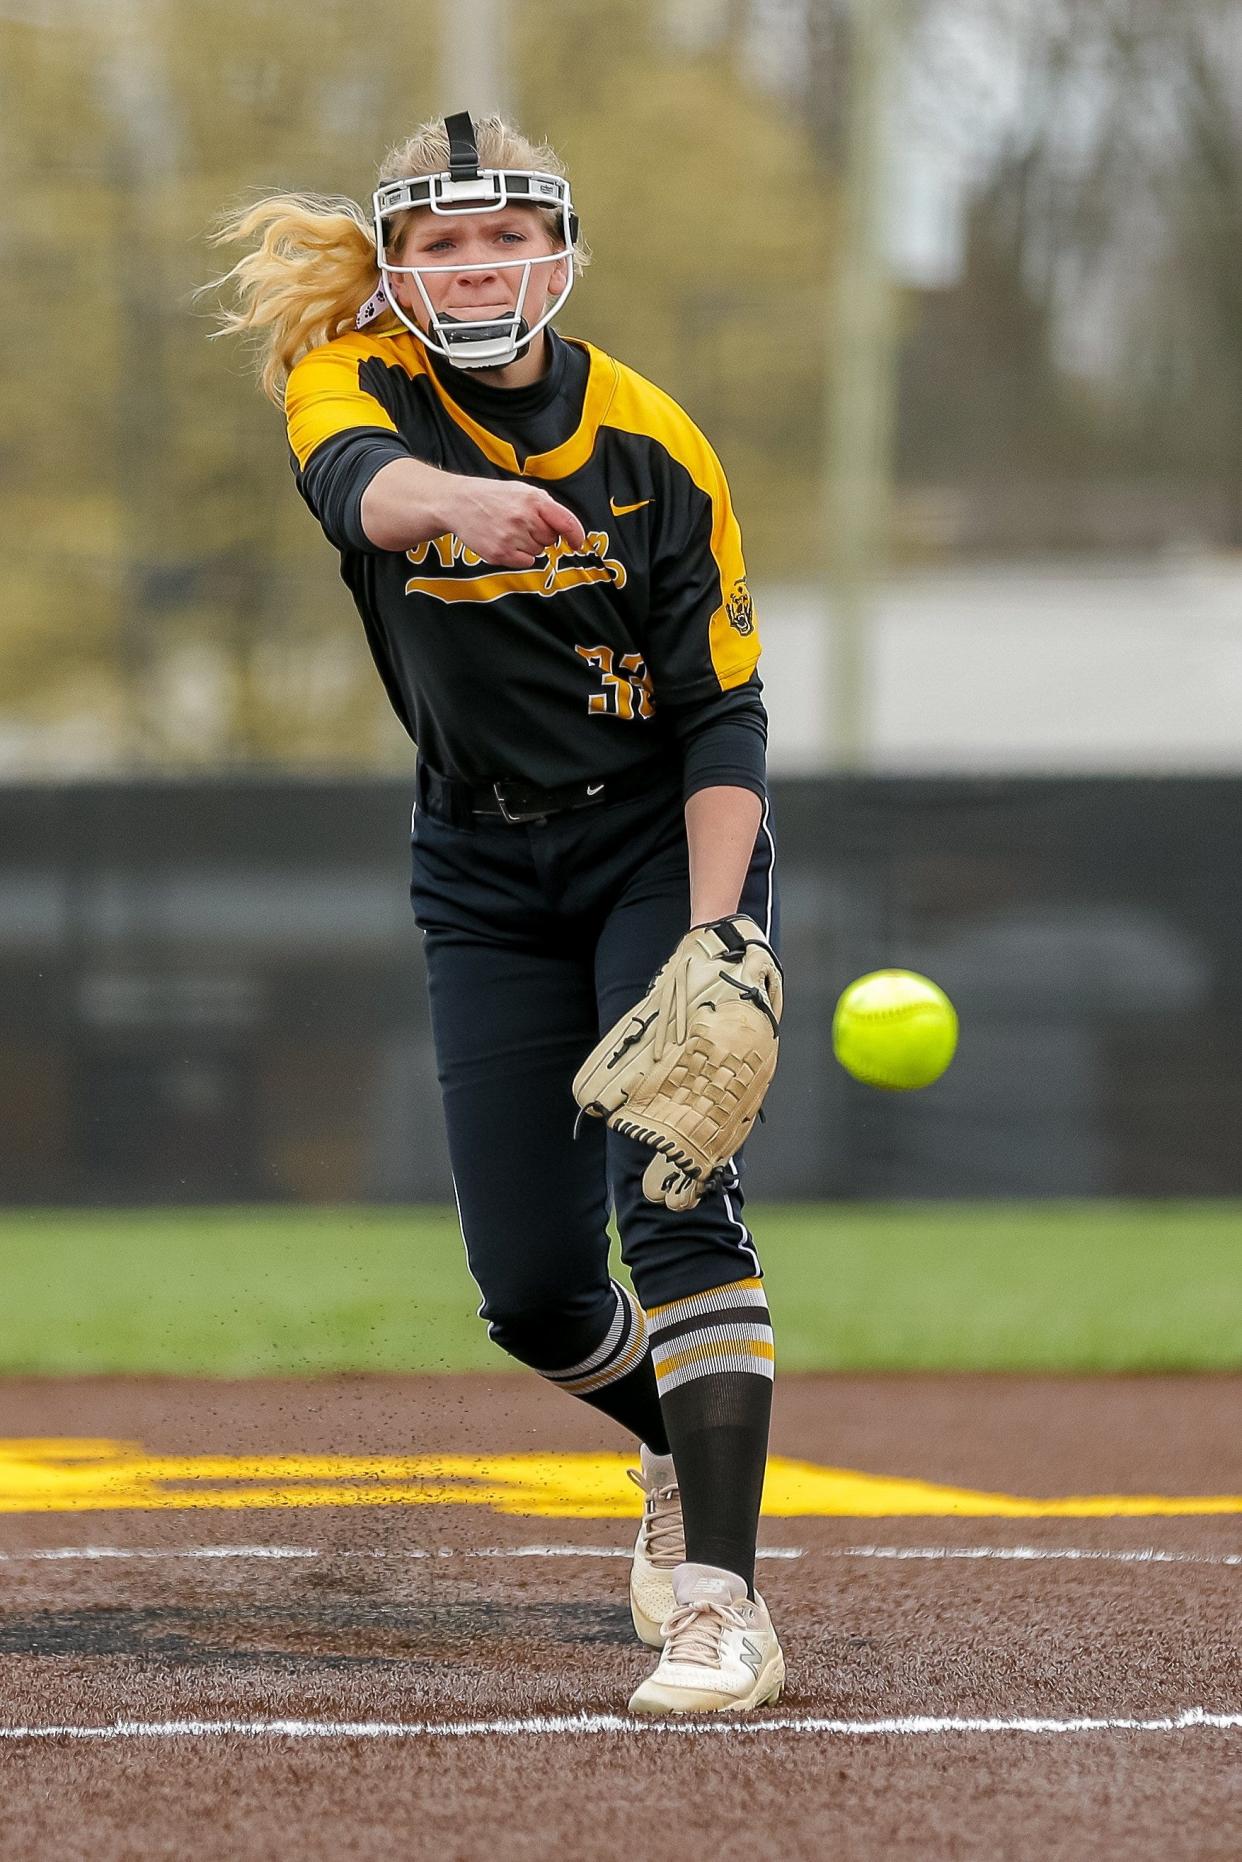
pixel 482 344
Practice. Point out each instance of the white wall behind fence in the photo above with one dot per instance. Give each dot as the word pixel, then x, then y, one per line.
pixel 1115 666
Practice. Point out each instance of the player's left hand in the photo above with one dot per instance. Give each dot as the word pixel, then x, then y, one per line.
pixel 685 1072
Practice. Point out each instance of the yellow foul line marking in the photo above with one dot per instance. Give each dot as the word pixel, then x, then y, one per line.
pixel 77 1476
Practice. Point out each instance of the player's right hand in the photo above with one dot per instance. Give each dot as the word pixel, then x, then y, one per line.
pixel 512 525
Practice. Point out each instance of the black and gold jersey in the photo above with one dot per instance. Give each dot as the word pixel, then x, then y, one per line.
pixel 596 658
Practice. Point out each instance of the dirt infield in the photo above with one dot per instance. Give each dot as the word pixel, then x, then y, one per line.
pixel 964 1681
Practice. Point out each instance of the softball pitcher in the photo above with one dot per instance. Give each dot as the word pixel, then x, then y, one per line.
pixel 544 555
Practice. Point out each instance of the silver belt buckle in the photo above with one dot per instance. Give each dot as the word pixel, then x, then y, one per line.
pixel 515 816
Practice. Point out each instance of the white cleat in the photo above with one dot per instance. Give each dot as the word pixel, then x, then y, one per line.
pixel 659 1549
pixel 720 1649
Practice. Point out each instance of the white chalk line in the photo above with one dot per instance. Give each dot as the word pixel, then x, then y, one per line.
pixel 542 1725
pixel 1004 1553
pixel 1143 1556
pixel 89 1553
pixel 59 1554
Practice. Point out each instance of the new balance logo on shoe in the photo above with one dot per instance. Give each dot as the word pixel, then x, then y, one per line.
pixel 751 1656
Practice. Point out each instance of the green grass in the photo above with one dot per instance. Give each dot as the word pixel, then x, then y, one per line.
pixel 1030 1286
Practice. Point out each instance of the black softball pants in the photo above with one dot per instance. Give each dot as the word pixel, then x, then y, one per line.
pixel 537 938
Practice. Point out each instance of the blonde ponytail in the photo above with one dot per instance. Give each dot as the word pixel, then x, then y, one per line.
pixel 304 283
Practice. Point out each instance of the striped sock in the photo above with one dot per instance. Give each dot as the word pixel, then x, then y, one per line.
pixel 714 1360
pixel 617 1377
pixel 726 1329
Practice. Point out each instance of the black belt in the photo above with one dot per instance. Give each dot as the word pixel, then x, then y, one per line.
pixel 517 802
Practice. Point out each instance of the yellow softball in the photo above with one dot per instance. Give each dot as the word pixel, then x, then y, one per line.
pixel 895 1029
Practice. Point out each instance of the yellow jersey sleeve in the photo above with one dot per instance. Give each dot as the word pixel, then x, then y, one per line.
pixel 324 397
pixel 732 636
pixel 703 620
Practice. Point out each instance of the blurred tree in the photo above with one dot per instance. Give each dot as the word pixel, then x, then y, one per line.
pixel 710 225
pixel 60 542
pixel 169 599
pixel 1092 349
pixel 1189 367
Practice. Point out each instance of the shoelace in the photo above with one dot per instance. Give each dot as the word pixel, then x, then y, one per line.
pixel 664 1540
pixel 693 1632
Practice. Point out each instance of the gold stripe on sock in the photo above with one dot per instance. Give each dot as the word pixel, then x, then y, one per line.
pixel 705 1354
pixel 599 1380
pixel 690 1304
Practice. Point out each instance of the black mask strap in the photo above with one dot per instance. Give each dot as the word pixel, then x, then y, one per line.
pixel 463 149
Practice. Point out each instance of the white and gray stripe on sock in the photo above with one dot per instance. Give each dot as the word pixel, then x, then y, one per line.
pixel 621 1350
pixel 725 1329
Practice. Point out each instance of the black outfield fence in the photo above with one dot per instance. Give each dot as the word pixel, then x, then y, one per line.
pixel 213 991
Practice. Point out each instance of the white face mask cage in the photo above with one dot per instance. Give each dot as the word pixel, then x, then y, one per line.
pixel 494 341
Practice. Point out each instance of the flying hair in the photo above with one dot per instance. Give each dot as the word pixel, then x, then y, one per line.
pixel 314 263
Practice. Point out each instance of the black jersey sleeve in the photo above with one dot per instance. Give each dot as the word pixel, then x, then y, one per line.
pixel 335 477
pixel 724 740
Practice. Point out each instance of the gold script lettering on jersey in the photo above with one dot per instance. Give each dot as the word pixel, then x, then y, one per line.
pixel 556 569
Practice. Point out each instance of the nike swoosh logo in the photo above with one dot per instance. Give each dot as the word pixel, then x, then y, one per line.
pixel 593 788
pixel 623 510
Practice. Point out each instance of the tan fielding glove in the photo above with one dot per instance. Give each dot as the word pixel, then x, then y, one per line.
pixel 686 1070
